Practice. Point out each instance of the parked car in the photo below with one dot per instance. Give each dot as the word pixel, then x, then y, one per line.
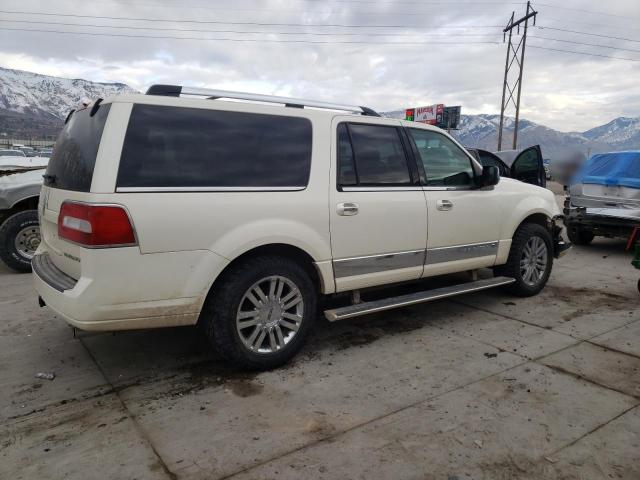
pixel 19 228
pixel 525 165
pixel 239 215
pixel 604 197
pixel 11 152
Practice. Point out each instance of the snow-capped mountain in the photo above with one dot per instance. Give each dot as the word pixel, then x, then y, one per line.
pixel 41 95
pixel 623 132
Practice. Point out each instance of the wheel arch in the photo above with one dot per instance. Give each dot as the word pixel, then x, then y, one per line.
pixel 317 275
pixel 29 203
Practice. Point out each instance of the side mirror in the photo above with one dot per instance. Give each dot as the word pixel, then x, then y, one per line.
pixel 490 176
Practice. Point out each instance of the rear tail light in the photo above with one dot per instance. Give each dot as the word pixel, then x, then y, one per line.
pixel 94 225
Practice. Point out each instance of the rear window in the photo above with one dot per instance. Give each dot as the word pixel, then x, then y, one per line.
pixel 74 155
pixel 169 147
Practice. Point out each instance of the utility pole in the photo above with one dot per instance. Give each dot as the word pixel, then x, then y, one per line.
pixel 512 57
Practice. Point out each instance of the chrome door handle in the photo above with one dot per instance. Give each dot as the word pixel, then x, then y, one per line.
pixel 444 205
pixel 347 209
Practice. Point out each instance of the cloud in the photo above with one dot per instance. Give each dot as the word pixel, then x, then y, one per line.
pixel 561 90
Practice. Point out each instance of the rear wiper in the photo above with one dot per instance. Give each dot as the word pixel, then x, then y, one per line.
pixel 50 179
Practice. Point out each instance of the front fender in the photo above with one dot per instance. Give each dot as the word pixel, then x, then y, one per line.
pixel 523 204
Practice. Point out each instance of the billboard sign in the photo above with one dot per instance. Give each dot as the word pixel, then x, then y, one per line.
pixel 438 115
pixel 431 114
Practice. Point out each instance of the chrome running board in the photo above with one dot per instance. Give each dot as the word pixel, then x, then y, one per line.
pixel 414 298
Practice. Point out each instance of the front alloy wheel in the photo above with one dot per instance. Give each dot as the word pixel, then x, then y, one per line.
pixel 270 314
pixel 533 263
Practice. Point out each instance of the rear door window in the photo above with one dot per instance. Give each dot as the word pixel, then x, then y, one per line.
pixel 74 155
pixel 174 147
pixel 371 155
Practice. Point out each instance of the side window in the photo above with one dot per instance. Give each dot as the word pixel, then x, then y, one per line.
pixel 374 157
pixel 201 148
pixel 346 163
pixel 527 164
pixel 444 162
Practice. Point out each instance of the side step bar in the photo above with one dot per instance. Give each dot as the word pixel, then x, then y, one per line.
pixel 413 298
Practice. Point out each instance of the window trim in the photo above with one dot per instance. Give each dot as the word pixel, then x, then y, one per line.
pixel 425 179
pixel 410 160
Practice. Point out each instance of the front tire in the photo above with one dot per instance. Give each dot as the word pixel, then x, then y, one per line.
pixel 261 313
pixel 530 260
pixel 580 236
pixel 19 239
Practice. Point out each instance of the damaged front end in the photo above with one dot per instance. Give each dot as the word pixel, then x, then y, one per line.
pixel 560 246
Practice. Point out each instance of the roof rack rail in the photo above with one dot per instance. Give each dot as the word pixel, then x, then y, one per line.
pixel 177 90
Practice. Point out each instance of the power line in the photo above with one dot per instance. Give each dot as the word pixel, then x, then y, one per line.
pixel 219 22
pixel 183 6
pixel 588 11
pixel 588 33
pixel 584 53
pixel 350 34
pixel 589 24
pixel 250 40
pixel 587 44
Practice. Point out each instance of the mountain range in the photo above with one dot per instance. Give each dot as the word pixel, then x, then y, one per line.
pixel 34 106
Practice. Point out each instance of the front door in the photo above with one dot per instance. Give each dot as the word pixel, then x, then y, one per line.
pixel 528 167
pixel 377 207
pixel 463 221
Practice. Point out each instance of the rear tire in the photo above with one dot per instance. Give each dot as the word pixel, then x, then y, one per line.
pixel 19 238
pixel 260 312
pixel 580 236
pixel 530 260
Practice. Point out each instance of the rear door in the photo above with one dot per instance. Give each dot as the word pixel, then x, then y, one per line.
pixel 377 208
pixel 528 167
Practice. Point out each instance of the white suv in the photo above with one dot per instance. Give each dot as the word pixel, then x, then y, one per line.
pixel 159 210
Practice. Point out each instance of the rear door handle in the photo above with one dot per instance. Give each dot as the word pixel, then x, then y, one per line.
pixel 347 209
pixel 444 205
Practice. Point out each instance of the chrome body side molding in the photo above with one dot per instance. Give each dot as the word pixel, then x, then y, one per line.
pixel 349 267
pixel 461 252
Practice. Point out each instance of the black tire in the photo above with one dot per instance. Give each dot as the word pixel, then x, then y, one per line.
pixel 580 236
pixel 218 317
pixel 512 268
pixel 16 223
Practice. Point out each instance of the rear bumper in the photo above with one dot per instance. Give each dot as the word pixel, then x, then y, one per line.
pixel 125 290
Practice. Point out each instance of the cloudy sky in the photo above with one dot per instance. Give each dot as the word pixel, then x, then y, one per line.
pixel 386 54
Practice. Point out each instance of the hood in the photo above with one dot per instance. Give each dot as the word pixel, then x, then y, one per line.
pixel 15 187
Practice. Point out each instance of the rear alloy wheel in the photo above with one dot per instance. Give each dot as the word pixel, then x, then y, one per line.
pixel 19 239
pixel 260 312
pixel 270 314
pixel 530 260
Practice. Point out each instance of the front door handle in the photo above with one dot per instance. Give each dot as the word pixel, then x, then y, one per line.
pixel 444 205
pixel 347 209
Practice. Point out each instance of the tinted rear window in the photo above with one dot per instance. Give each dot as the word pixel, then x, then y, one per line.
pixel 74 155
pixel 189 147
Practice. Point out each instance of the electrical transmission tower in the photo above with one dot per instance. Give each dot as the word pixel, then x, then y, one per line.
pixel 512 58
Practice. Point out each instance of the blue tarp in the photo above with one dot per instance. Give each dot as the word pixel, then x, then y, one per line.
pixel 612 169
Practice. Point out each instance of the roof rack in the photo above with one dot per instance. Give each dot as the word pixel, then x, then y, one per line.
pixel 177 90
